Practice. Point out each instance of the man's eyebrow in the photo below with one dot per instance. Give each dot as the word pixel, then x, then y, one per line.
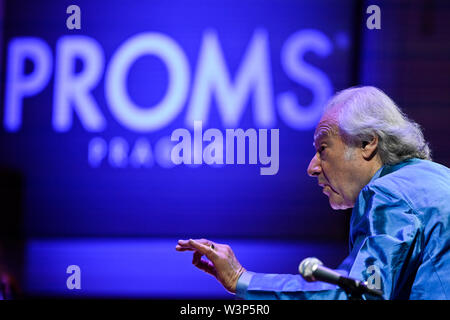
pixel 319 136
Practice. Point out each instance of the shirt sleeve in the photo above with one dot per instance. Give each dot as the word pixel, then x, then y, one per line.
pixel 384 244
pixel 242 284
pixel 264 286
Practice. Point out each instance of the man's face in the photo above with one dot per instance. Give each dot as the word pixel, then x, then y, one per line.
pixel 336 171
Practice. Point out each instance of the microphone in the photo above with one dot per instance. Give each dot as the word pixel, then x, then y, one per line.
pixel 312 269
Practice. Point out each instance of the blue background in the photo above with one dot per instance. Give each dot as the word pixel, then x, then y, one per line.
pixel 120 225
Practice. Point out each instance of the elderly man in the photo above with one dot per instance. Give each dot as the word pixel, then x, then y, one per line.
pixel 372 158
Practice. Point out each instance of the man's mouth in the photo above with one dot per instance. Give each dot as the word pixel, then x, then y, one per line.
pixel 327 188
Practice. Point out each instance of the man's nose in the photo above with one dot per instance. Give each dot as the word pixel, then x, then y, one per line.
pixel 314 168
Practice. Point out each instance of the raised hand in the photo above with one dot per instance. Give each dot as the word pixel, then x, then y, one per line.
pixel 221 263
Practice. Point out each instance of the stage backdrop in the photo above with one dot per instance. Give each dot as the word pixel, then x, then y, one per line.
pixel 87 116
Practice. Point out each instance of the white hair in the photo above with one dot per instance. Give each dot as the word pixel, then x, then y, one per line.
pixel 367 111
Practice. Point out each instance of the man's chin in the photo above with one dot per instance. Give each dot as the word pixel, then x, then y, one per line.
pixel 338 205
pixel 335 206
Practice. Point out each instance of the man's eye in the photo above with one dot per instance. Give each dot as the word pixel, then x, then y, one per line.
pixel 321 149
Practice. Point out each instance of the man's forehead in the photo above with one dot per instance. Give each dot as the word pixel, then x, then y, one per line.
pixel 327 125
pixel 324 129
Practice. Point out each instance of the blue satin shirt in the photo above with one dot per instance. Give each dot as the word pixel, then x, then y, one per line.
pixel 399 233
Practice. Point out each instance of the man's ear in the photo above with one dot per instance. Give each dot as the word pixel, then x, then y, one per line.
pixel 369 148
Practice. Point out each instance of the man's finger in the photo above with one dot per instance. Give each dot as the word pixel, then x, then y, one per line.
pixel 180 248
pixel 196 257
pixel 186 243
pixel 203 249
pixel 206 242
pixel 183 245
pixel 204 265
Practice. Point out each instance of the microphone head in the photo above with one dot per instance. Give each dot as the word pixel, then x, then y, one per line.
pixel 307 268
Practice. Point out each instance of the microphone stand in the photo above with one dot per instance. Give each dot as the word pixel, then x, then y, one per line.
pixel 355 289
